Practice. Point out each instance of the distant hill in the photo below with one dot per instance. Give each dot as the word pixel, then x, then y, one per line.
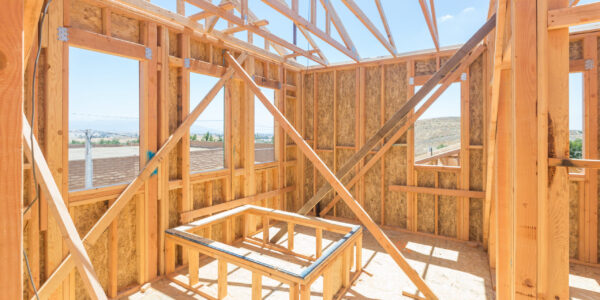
pixel 436 133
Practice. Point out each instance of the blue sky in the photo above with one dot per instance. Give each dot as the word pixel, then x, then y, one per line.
pixel 104 92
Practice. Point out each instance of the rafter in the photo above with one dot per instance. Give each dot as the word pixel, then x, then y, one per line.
pixel 230 17
pixel 301 22
pixel 430 24
pixel 434 19
pixel 367 22
pixel 309 38
pixel 339 25
pixel 385 22
pixel 251 17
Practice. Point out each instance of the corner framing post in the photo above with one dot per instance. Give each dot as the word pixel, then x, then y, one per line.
pixel 11 149
pixel 553 141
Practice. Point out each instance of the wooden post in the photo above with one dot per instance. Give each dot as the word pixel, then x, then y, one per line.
pixel 256 286
pixel 222 279
pixel 169 256
pixel 553 139
pixel 193 265
pixel 590 49
pixel 305 292
pixel 463 202
pixel 328 283
pixel 185 202
pixel 265 229
pixel 290 236
pixel 163 135
pixel 503 197
pixel 11 149
pixel 319 238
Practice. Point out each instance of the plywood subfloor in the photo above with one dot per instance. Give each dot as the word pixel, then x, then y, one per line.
pixel 454 270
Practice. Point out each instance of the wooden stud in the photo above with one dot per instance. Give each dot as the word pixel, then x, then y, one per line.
pixel 222 279
pixel 290 236
pixel 11 161
pixel 193 265
pixel 265 229
pixel 294 291
pixel 464 182
pixel 256 286
pixel 319 240
pixel 305 292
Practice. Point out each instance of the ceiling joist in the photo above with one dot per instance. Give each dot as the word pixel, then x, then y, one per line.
pixel 367 22
pixel 230 17
pixel 385 23
pixel 431 24
pixel 301 22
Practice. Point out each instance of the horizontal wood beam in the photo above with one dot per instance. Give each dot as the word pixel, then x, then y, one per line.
pixel 574 15
pixel 574 163
pixel 88 40
pixel 437 191
pixel 205 211
pixel 236 29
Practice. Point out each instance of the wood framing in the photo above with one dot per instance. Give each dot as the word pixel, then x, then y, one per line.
pixel 12 69
pixel 379 235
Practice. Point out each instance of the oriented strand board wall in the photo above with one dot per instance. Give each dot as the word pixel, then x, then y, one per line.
pixel 476 154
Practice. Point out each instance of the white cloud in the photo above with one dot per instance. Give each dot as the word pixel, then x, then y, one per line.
pixel 468 10
pixel 445 18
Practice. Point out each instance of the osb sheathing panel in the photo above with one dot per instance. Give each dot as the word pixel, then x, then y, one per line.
pixel 173 108
pixel 325 110
pixel 346 107
pixel 290 77
pixel 173 43
pixel 259 68
pixel 308 184
pixel 327 158
pixel 395 174
pixel 273 71
pixel 447 205
pixel 395 93
pixel 125 28
pixel 425 67
pixel 235 92
pixel 238 187
pixel 199 195
pixel 218 191
pixel 200 50
pixel 218 58
pixel 573 219
pixel 85 217
pixel 290 197
pixel 308 113
pixel 372 107
pixel 476 169
pixel 290 114
pixel 342 209
pixel 425 203
pixel 476 96
pixel 86 16
pixel 127 263
pixel 598 190
pixel 576 49
pixel 372 201
pixel 476 220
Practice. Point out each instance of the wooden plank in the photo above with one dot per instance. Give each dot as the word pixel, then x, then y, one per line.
pixel 503 203
pixel 163 135
pixel 379 235
pixel 524 159
pixel 222 279
pixel 464 183
pixel 12 70
pixel 385 23
pixel 564 17
pixel 84 39
pixel 493 114
pixel 437 191
pixel 393 122
pixel 305 292
pixel 61 215
pixel 553 139
pixel 301 22
pixel 319 242
pixel 290 236
pixel 205 211
pixel 429 21
pixel 354 8
pixel 256 286
pixel 120 203
pixel 193 265
pixel 590 49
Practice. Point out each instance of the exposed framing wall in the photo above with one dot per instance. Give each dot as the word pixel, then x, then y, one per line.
pixel 131 251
